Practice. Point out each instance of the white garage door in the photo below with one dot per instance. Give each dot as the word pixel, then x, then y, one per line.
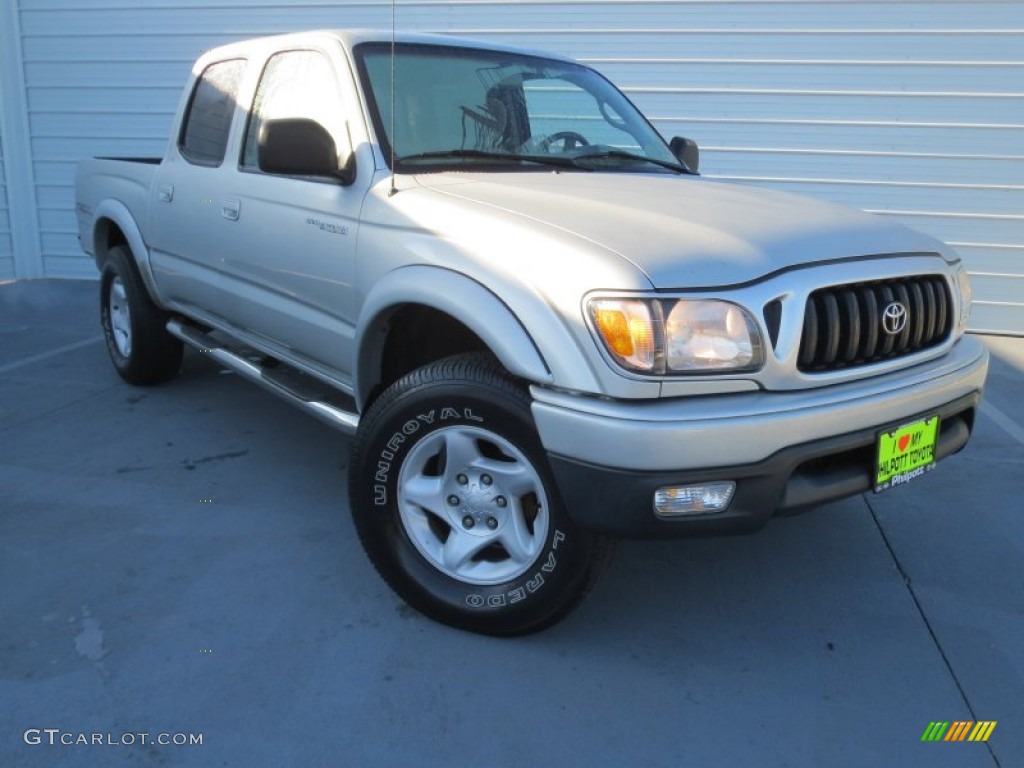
pixel 6 260
pixel 910 109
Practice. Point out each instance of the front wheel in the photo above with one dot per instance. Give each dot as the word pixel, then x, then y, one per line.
pixel 456 506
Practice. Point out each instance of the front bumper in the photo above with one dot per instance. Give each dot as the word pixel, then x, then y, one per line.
pixel 787 451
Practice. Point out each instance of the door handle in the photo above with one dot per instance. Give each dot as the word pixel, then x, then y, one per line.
pixel 165 193
pixel 230 209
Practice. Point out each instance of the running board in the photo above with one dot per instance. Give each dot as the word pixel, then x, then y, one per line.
pixel 302 391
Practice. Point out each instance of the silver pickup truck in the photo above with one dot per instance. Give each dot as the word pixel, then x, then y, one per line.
pixel 544 329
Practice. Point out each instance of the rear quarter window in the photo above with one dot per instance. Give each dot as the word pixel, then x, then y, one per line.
pixel 204 132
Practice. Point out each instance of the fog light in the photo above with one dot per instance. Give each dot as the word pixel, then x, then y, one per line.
pixel 703 499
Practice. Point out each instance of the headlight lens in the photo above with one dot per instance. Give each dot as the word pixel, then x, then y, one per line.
pixel 677 336
pixel 709 334
pixel 963 283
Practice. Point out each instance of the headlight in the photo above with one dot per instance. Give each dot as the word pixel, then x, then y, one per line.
pixel 710 334
pixel 963 284
pixel 677 336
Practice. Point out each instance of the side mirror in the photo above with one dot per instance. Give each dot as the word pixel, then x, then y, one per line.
pixel 302 147
pixel 687 152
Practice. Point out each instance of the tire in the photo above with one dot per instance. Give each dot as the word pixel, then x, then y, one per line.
pixel 141 349
pixel 456 506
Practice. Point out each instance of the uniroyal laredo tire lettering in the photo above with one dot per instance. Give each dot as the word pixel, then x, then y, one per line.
pixel 513 596
pixel 409 428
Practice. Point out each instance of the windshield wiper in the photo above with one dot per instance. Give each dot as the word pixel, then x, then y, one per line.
pixel 480 154
pixel 600 153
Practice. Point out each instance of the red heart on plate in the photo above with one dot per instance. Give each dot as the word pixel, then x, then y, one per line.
pixel 904 442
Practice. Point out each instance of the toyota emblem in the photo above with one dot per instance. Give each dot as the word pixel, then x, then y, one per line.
pixel 894 318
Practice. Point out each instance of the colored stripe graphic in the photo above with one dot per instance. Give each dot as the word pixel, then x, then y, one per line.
pixel 958 730
pixel 982 730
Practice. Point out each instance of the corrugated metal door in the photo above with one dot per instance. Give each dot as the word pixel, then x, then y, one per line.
pixel 909 108
pixel 6 259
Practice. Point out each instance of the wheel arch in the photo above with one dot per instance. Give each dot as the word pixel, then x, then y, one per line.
pixel 114 225
pixel 408 311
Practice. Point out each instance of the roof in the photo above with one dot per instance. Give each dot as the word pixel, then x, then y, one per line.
pixel 350 38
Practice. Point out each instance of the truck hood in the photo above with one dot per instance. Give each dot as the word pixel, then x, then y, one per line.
pixel 687 232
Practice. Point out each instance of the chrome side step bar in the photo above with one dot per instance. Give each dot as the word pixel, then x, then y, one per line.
pixel 298 389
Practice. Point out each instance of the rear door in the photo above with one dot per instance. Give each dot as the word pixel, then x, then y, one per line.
pixel 187 233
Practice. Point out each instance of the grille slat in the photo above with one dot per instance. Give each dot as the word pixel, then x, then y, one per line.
pixel 941 307
pixel 809 340
pixel 885 297
pixel 831 329
pixel 917 316
pixel 871 323
pixel 930 313
pixel 851 318
pixel 844 325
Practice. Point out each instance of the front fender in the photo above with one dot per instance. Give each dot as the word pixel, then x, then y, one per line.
pixel 466 300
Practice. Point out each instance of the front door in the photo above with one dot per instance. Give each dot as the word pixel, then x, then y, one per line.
pixel 290 263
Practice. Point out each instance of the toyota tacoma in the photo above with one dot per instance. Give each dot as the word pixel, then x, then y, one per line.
pixel 543 328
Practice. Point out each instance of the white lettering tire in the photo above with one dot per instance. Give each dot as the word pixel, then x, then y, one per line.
pixel 456 507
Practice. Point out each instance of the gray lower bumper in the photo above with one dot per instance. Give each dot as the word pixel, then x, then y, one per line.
pixel 746 428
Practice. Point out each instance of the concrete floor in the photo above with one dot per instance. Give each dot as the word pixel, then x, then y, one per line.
pixel 180 560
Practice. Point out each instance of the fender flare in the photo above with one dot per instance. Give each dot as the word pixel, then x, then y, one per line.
pixel 464 299
pixel 118 213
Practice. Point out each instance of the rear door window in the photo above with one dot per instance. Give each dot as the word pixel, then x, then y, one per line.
pixel 204 133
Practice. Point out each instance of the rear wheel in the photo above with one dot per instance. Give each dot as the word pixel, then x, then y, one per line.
pixel 141 349
pixel 456 506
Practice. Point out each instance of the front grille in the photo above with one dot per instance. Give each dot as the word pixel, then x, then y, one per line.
pixel 845 325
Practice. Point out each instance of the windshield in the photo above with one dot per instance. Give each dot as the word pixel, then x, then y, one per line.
pixel 455 107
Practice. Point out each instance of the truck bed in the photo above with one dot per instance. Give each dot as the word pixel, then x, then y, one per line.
pixel 147 160
pixel 128 180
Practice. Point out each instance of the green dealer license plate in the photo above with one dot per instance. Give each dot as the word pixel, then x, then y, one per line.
pixel 906 452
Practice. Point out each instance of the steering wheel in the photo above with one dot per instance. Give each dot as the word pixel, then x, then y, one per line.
pixel 570 140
